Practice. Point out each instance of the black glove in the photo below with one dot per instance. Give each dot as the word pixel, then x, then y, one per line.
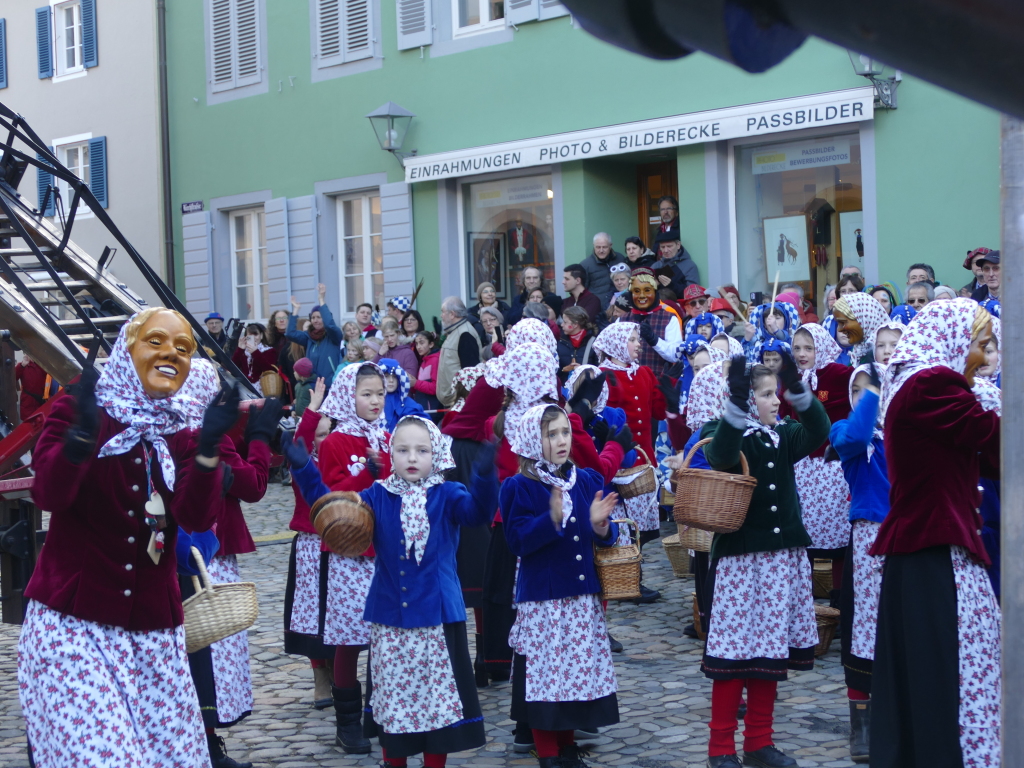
pixel 670 393
pixel 294 451
pixel 484 462
pixel 585 412
pixel 372 467
pixel 220 416
pixel 589 389
pixel 739 383
pixel 601 432
pixel 263 423
pixel 624 437
pixel 874 378
pixel 80 439
pixel 647 333
pixel 226 480
pixel 790 375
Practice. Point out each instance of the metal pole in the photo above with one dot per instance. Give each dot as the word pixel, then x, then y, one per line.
pixel 1012 283
pixel 165 146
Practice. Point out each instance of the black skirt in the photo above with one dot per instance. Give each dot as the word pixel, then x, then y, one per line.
pixel 916 682
pixel 498 607
pixel 310 646
pixel 857 670
pixel 559 715
pixel 468 733
pixel 470 558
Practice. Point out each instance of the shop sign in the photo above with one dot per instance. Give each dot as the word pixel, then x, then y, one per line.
pixel 510 193
pixel 793 157
pixel 824 109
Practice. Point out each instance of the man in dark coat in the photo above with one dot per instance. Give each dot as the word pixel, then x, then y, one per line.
pixel 674 257
pixel 532 278
pixel 598 264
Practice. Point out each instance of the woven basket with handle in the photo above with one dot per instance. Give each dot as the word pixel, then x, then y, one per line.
pixel 827 620
pixel 618 567
pixel 217 611
pixel 678 557
pixel 344 522
pixel 643 478
pixel 822 575
pixel 271 383
pixel 695 539
pixel 710 500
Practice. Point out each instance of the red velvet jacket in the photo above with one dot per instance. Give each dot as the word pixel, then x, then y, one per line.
pixel 254 367
pixel 641 399
pixel 249 484
pixel 307 431
pixel 834 393
pixel 936 435
pixel 94 564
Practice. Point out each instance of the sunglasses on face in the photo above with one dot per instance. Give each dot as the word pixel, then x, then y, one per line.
pixel 697 303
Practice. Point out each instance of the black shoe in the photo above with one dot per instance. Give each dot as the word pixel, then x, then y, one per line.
pixel 572 756
pixel 860 731
pixel 218 758
pixel 348 707
pixel 550 762
pixel 690 631
pixel 615 645
pixel 522 740
pixel 769 757
pixel 724 761
pixel 647 595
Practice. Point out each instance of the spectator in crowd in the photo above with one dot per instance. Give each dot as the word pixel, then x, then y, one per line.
pixel 412 323
pixel 37 386
pixel 620 279
pixel 424 389
pixel 576 342
pixel 350 330
pixel 621 307
pixel 668 209
pixel 732 295
pixel 494 342
pixel 919 295
pixel 253 356
pixel 680 269
pixel 531 278
pixel 215 326
pixel 574 282
pixel 398 306
pixel 884 296
pixel 364 319
pixel 355 352
pixel 394 349
pixel 944 293
pixel 638 254
pixel 724 311
pixel 303 369
pixel 920 273
pixel 972 266
pixel 461 348
pixel 804 307
pixel 849 283
pixel 695 300
pixel 277 327
pixel 851 270
pixel 323 338
pixel 598 265
pixel 370 348
pixel 486 296
pixel 830 298
pixel 989 263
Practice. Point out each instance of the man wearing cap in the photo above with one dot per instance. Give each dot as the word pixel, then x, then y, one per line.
pixel 971 265
pixel 215 325
pixel 989 263
pixel 597 266
pixel 724 311
pixel 695 300
pixel 675 258
pixel 397 307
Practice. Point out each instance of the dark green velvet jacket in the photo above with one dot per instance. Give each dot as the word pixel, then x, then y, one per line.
pixel 773 520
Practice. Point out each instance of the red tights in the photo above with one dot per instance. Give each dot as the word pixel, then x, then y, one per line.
pixel 346 665
pixel 430 760
pixel 725 701
pixel 547 743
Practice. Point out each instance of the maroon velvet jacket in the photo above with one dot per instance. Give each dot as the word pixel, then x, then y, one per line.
pixel 936 435
pixel 834 393
pixel 249 484
pixel 94 564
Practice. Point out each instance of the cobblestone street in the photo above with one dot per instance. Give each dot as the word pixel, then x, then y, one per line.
pixel 664 700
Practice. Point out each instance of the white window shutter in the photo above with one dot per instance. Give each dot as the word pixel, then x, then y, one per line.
pixel 414 24
pixel 197 258
pixel 277 255
pixel 397 239
pixel 358 30
pixel 235 42
pixel 521 11
pixel 222 58
pixel 550 9
pixel 328 33
pixel 247 43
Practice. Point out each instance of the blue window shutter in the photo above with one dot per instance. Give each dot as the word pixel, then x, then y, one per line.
pixel 3 53
pixel 44 181
pixel 98 169
pixel 44 42
pixel 90 56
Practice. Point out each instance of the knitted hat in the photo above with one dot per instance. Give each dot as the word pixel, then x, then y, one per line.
pixel 303 367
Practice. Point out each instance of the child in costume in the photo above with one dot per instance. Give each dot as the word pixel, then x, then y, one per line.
pixel 397 403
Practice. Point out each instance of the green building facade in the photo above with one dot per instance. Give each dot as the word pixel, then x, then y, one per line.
pixel 530 138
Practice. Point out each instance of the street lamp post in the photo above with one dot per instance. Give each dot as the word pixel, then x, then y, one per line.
pixel 885 88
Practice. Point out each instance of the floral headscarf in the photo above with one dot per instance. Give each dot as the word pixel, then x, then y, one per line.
pixel 530 374
pixel 705 318
pixel 389 366
pixel 611 342
pixel 866 310
pixel 570 386
pixel 989 395
pixel 415 523
pixel 826 351
pixel 119 392
pixel 892 325
pixel 530 330
pixel 754 424
pixel 708 396
pixel 199 390
pixel 735 348
pixel 790 321
pixel 340 404
pixel 467 377
pixel 904 313
pixel 686 350
pixel 528 443
pixel 939 336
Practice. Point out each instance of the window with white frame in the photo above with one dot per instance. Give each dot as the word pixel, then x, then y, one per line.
pixel 67 19
pixel 236 58
pixel 250 283
pixel 471 16
pixel 362 250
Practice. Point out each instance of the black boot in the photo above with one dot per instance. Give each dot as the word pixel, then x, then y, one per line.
pixel 860 730
pixel 572 756
pixel 218 758
pixel 348 706
pixel 479 668
pixel 550 762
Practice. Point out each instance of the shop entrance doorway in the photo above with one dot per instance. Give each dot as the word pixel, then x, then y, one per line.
pixel 654 181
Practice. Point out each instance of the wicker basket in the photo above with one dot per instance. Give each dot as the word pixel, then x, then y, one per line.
pixel 695 539
pixel 678 557
pixel 618 568
pixel 701 634
pixel 828 621
pixel 710 500
pixel 344 522
pixel 271 383
pixel 217 611
pixel 822 579
pixel 644 480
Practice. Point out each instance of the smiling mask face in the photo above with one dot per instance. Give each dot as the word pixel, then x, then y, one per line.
pixel 162 353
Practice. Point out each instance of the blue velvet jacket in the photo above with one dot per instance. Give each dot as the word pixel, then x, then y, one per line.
pixel 558 562
pixel 403 593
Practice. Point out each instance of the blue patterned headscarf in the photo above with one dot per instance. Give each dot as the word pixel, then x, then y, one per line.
pixel 705 318
pixel 391 366
pixel 904 313
pixel 790 321
pixel 773 345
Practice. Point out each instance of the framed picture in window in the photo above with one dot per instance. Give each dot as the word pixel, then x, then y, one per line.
pixel 786 249
pixel 851 238
pixel 488 261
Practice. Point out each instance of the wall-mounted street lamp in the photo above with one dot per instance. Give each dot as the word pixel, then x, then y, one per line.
pixel 885 88
pixel 391 122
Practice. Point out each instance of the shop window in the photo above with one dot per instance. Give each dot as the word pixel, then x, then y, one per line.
pixel 798 213
pixel 509 226
pixel 362 249
pixel 472 16
pixel 250 282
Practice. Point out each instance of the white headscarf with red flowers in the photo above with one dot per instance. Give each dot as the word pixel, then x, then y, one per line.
pixel 529 443
pixel 612 343
pixel 415 522
pixel 340 404
pixel 708 396
pixel 570 386
pixel 530 374
pixel 530 330
pixel 869 313
pixel 826 350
